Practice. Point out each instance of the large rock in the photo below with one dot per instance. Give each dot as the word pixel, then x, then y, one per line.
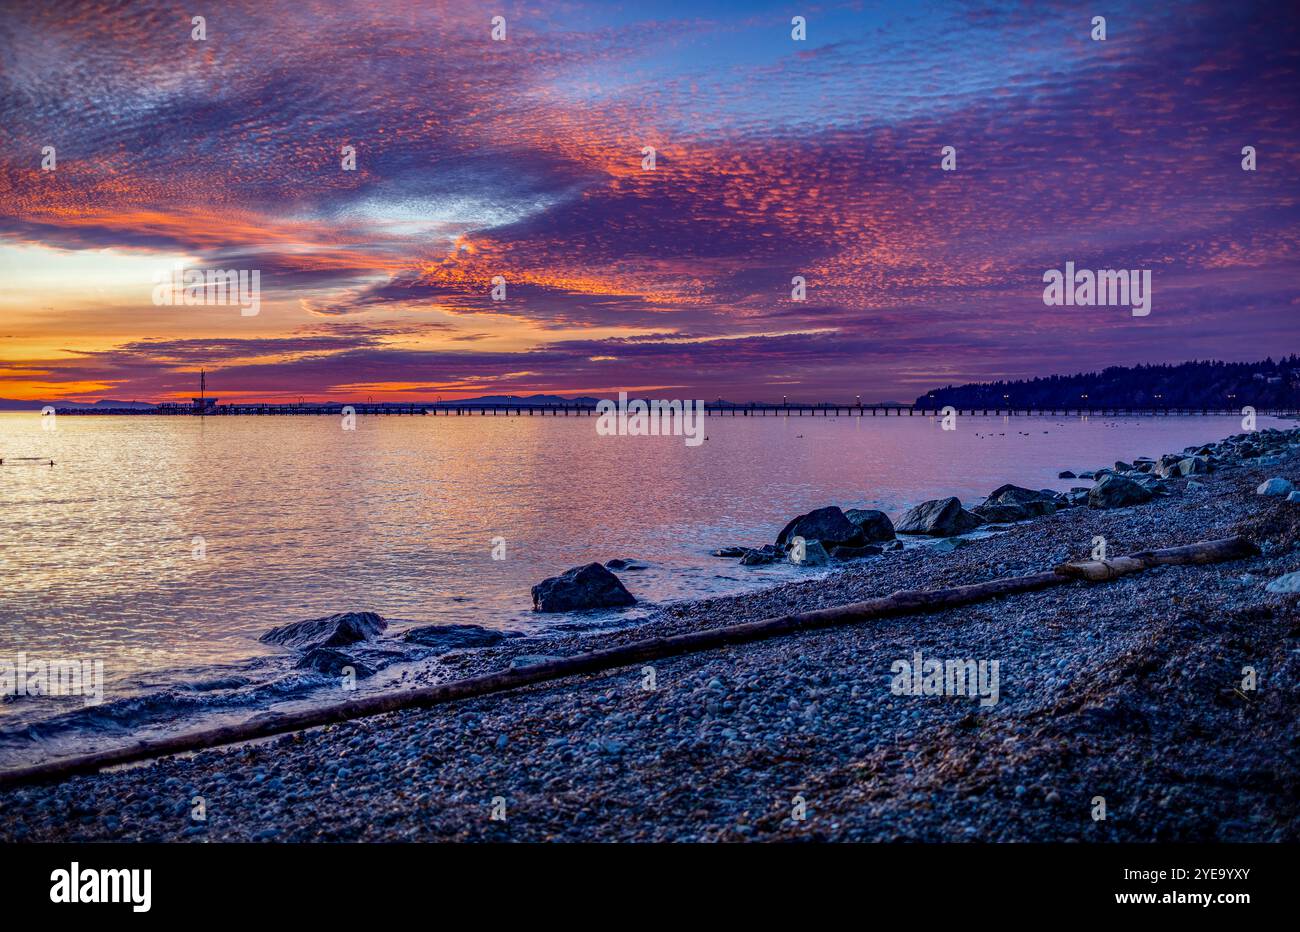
pixel 942 517
pixel 1193 465
pixel 456 637
pixel 583 587
pixel 814 554
pixel 1167 467
pixel 1013 503
pixel 1002 514
pixel 828 525
pixel 334 631
pixel 1117 492
pixel 333 662
pixel 874 525
pixel 1275 487
pixel 856 553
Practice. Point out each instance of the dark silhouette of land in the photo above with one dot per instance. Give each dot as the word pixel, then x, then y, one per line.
pixel 1213 385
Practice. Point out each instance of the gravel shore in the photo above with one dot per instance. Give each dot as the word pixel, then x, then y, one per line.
pixel 1130 691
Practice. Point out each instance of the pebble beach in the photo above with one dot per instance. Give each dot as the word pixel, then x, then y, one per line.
pixel 1130 692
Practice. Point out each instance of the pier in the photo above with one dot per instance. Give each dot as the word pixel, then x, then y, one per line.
pixel 209 408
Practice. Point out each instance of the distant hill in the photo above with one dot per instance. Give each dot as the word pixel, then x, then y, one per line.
pixel 14 404
pixel 1186 385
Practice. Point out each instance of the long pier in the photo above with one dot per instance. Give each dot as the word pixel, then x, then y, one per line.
pixel 712 409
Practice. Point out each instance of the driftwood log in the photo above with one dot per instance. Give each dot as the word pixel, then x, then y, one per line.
pixel 906 602
pixel 1211 551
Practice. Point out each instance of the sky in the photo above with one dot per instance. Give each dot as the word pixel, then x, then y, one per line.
pixel 523 159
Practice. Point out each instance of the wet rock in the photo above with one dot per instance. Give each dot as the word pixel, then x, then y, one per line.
pixel 1275 486
pixel 759 556
pixel 731 551
pixel 333 631
pixel 828 525
pixel 1013 503
pixel 619 564
pixel 1293 496
pixel 455 637
pixel 1117 492
pixel 583 587
pixel 1066 474
pixel 333 662
pixel 874 525
pixel 943 517
pixel 1002 514
pixel 1167 466
pixel 814 554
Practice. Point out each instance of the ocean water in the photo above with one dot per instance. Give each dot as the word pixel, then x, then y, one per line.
pixel 164 547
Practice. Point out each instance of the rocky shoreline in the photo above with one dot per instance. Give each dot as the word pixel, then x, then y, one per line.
pixel 1131 691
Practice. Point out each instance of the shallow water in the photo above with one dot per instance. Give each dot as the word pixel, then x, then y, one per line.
pixel 162 545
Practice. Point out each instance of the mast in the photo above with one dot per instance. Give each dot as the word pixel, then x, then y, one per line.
pixel 203 383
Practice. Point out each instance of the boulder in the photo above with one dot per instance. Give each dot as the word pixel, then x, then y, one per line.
pixel 1152 484
pixel 828 525
pixel 1002 514
pixel 333 631
pixel 1275 487
pixel 1117 492
pixel 855 553
pixel 1013 503
pixel 874 525
pixel 455 637
pixel 583 587
pixel 1066 475
pixel 333 662
pixel 1193 465
pixel 1167 466
pixel 814 554
pixel 1121 466
pixel 1293 496
pixel 941 517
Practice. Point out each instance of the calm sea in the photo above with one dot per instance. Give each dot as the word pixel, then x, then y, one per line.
pixel 165 546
